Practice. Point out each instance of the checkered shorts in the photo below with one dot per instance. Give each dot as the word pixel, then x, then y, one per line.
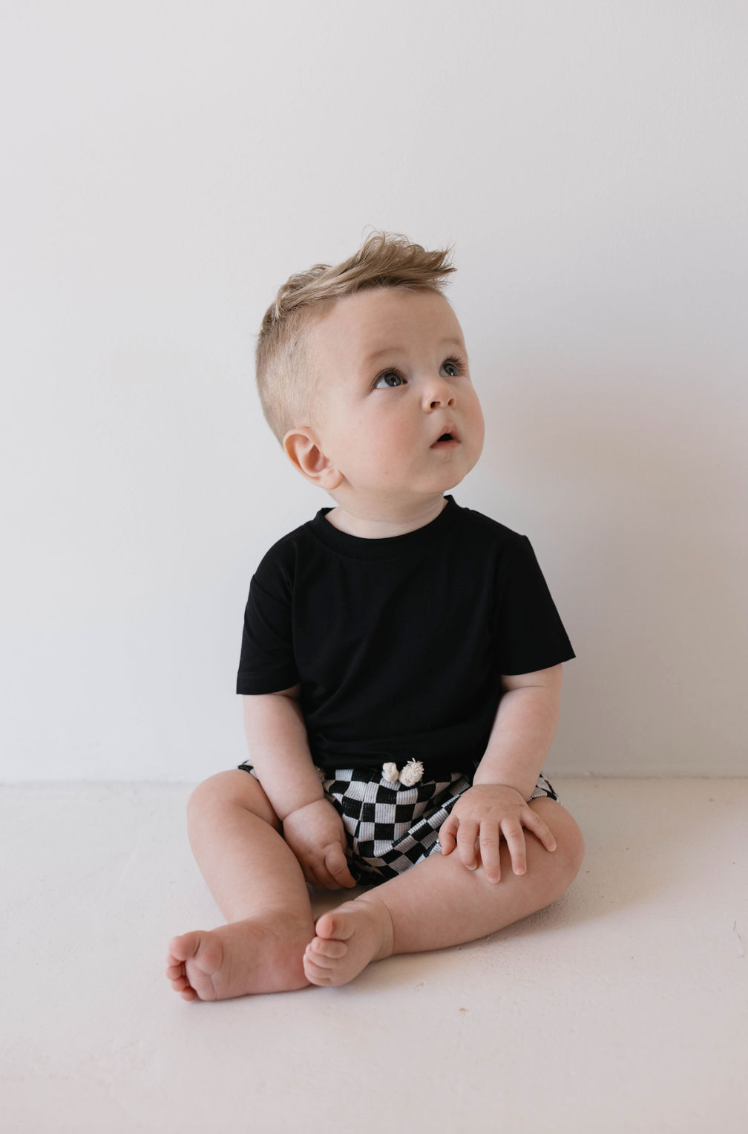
pixel 390 827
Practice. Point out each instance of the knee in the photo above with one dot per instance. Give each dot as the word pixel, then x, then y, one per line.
pixel 571 850
pixel 207 795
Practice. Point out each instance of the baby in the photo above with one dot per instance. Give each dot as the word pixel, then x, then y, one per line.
pixel 400 666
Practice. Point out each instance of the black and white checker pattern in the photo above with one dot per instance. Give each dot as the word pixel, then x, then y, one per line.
pixel 391 827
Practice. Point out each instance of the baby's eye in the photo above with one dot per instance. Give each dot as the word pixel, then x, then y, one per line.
pixel 456 363
pixel 386 374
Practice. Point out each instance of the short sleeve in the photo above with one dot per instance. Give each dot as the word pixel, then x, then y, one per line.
pixel 529 632
pixel 266 662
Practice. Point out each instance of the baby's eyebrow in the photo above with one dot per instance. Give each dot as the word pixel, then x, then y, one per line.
pixel 401 350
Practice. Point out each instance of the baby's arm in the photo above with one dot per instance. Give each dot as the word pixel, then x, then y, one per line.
pixel 523 730
pixel 279 750
pixel 497 803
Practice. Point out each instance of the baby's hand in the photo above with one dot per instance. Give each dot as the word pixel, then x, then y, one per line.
pixel 316 836
pixel 491 809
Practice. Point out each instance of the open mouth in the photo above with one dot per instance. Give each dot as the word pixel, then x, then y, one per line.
pixel 446 441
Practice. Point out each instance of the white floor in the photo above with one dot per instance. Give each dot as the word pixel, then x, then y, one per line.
pixel 621 1007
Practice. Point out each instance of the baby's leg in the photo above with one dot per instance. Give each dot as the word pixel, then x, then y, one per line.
pixel 439 902
pixel 259 886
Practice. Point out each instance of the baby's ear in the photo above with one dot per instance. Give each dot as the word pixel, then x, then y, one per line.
pixel 297 444
pixel 304 453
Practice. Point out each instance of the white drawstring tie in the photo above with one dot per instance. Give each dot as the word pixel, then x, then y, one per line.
pixel 411 773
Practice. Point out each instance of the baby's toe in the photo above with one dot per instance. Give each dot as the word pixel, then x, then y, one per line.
pixel 337 924
pixel 328 947
pixel 179 981
pixel 186 991
pixel 183 947
pixel 317 973
pixel 317 961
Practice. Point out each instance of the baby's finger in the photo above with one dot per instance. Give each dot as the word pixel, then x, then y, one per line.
pixel 466 836
pixel 337 865
pixel 489 851
pixel 313 879
pixel 539 827
pixel 320 876
pixel 446 836
pixel 515 840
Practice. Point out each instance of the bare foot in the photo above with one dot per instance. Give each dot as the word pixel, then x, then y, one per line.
pixel 260 954
pixel 348 938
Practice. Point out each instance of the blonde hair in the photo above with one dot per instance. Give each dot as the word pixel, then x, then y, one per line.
pixel 285 368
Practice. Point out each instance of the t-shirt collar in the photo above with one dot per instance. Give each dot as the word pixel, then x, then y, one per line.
pixel 389 547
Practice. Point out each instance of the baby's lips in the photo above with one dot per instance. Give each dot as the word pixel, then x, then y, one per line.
pixel 450 429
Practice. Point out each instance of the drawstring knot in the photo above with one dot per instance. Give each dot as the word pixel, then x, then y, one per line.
pixel 411 773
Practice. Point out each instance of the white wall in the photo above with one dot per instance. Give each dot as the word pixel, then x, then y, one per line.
pixel 168 165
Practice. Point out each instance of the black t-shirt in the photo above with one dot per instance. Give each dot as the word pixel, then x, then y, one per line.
pixel 399 643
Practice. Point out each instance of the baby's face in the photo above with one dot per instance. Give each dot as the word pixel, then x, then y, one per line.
pixel 394 377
